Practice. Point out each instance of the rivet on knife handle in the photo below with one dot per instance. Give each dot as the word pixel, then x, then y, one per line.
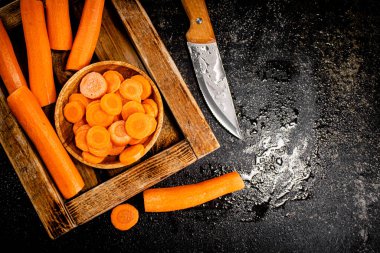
pixel 200 25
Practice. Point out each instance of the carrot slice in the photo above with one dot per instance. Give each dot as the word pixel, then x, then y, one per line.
pixel 124 217
pixel 58 24
pixel 137 141
pixel 140 125
pixel 80 98
pixel 118 133
pixel 78 124
pixel 74 111
pixel 113 79
pixel 149 110
pixel 131 107
pixel 186 196
pixel 131 89
pixel 111 104
pixel 147 88
pixel 87 35
pixel 93 85
pixel 40 65
pixel 153 103
pixel 102 152
pixel 95 116
pixel 10 70
pixel 116 150
pixel 80 138
pixel 98 137
pixel 131 154
pixel 90 158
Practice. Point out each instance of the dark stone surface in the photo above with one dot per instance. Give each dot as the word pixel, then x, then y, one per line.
pixel 304 78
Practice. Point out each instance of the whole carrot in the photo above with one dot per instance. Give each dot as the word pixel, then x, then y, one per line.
pixel 186 196
pixel 29 114
pixel 58 24
pixel 40 66
pixel 87 35
pixel 10 71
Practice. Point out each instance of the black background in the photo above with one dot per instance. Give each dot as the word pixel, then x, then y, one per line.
pixel 318 59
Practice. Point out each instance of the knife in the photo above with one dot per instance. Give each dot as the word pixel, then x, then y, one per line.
pixel 208 66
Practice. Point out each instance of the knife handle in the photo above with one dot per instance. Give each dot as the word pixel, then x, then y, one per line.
pixel 200 30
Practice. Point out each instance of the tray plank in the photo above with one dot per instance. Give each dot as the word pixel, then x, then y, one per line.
pixel 129 183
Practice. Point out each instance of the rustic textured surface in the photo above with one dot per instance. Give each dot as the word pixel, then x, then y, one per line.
pixel 299 70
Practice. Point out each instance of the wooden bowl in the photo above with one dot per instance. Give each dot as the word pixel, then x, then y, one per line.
pixel 64 128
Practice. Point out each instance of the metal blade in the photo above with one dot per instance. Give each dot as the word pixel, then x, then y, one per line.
pixel 213 84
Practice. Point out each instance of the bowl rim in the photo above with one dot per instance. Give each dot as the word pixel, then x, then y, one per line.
pixel 79 75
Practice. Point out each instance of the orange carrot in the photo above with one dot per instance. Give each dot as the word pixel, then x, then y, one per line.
pixel 80 138
pixel 131 154
pixel 40 66
pixel 124 217
pixel 78 124
pixel 29 114
pixel 149 110
pixel 151 102
pixel 98 137
pixel 111 104
pixel 118 134
pixel 116 150
pixel 73 111
pixel 90 158
pixel 87 35
pixel 79 97
pixel 10 70
pixel 58 24
pixel 140 125
pixel 101 152
pixel 186 196
pixel 131 89
pixel 95 116
pixel 93 85
pixel 131 107
pixel 113 79
pixel 147 88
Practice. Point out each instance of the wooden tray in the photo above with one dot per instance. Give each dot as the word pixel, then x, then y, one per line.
pixel 185 136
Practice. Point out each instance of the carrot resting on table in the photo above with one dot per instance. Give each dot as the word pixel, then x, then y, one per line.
pixel 40 66
pixel 87 35
pixel 58 24
pixel 186 196
pixel 124 217
pixel 10 71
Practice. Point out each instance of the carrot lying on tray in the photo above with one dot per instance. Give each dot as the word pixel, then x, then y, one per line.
pixel 186 196
pixel 10 71
pixel 40 66
pixel 29 114
pixel 87 35
pixel 58 24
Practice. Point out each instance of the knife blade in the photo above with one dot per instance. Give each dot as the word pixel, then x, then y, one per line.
pixel 208 66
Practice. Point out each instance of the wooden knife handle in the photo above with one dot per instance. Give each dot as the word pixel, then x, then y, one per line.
pixel 200 30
